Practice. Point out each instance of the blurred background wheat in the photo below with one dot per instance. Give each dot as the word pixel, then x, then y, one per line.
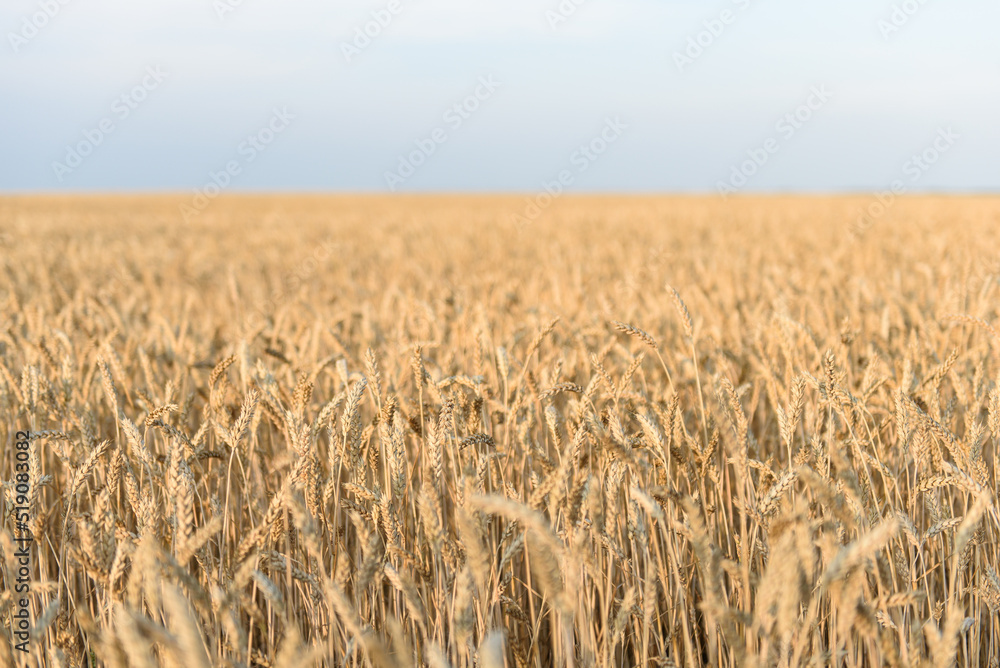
pixel 396 432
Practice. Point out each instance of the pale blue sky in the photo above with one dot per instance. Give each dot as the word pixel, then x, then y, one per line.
pixel 686 128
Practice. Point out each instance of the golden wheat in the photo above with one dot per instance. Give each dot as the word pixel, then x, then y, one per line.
pixel 431 445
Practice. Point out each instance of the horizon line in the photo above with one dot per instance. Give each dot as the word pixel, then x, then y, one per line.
pixel 124 193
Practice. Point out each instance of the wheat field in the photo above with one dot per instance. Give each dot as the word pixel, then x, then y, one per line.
pixel 369 431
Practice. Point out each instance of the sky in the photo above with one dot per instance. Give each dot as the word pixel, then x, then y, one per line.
pixel 726 96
